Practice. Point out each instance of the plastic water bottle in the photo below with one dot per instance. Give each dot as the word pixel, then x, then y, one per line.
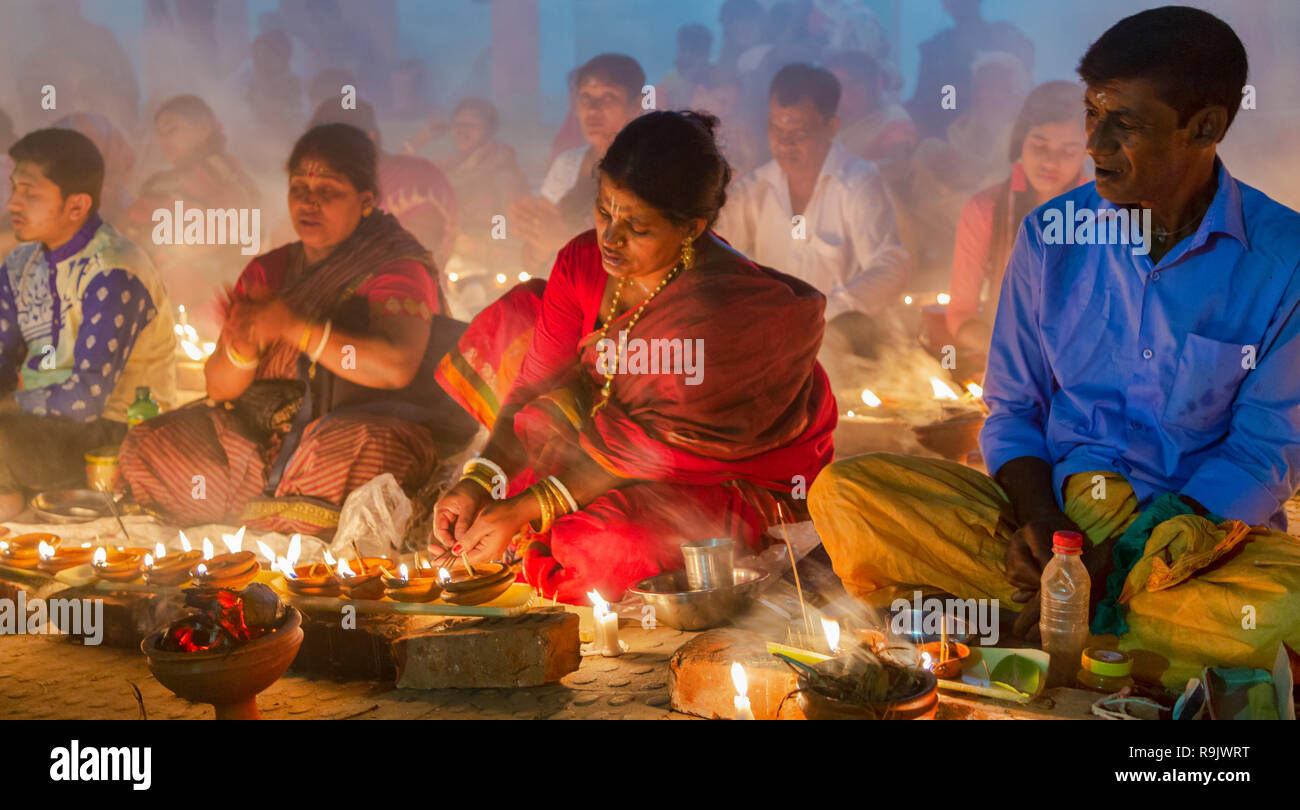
pixel 1063 619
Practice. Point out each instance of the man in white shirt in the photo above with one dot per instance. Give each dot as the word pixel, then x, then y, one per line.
pixel 815 210
pixel 608 97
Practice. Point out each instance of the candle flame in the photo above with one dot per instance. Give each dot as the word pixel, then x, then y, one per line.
pixel 927 662
pixel 943 298
pixel 185 543
pixel 295 549
pixel 444 576
pixel 329 558
pixel 148 561
pixel 207 549
pixel 740 680
pixel 266 550
pixel 285 567
pixel 600 606
pixel 941 389
pixel 832 630
pixel 870 398
pixel 159 551
pixel 192 351
pixel 234 542
pixel 4 547
pixel 404 574
pixel 975 390
pixel 101 556
pixel 45 550
pixel 907 299
pixel 343 569
pixel 201 570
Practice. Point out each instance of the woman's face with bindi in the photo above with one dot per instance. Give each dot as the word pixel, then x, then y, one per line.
pixel 635 238
pixel 323 204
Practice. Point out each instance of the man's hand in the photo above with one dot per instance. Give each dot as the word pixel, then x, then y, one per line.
pixel 1028 553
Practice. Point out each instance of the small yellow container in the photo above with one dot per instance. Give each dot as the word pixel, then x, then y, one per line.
pixel 103 469
pixel 1105 670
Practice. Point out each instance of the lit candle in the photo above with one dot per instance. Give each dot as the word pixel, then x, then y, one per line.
pixel 185 543
pixel 832 630
pixel 208 551
pixel 743 710
pixel 606 627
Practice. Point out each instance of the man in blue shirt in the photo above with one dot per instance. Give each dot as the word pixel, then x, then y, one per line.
pixel 1120 369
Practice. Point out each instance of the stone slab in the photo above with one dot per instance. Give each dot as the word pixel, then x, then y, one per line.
pixel 529 650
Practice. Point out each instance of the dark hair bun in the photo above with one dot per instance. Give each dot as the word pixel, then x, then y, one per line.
pixel 671 159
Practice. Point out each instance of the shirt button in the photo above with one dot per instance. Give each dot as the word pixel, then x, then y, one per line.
pixel 1147 354
pixel 1155 276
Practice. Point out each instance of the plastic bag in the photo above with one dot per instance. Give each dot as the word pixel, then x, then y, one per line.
pixel 375 515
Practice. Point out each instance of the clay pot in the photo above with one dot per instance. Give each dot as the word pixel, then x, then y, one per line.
pixel 121 566
pixel 232 571
pixel 174 569
pixel 230 679
pixel 920 706
pixel 958 657
pixel 314 580
pixel 66 558
pixel 414 589
pixel 24 550
pixel 363 586
pixel 490 581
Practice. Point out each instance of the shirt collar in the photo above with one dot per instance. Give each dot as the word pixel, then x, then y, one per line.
pixel 834 165
pixel 74 245
pixel 1225 213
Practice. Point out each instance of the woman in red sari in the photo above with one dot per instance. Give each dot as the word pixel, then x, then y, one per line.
pixel 317 378
pixel 611 457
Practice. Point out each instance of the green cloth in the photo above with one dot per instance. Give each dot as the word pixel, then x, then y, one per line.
pixel 1109 618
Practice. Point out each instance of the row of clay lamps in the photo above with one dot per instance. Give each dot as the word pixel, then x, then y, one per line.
pixel 321 580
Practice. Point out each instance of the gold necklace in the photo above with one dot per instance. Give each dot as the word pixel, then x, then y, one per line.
pixel 636 316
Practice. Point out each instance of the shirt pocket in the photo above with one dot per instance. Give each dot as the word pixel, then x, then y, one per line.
pixel 1206 381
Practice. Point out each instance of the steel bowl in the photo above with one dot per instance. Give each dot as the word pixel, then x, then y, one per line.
pixel 71 506
pixel 676 605
pixel 910 624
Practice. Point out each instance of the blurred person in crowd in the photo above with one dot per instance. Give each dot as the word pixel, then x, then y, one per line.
pixel 694 45
pixel 819 213
pixel 322 378
pixel 486 178
pixel 328 84
pixel 83 62
pixel 719 93
pixel 875 128
pixel 941 175
pixel 947 57
pixel 119 161
pixel 608 97
pixel 274 93
pixel 84 321
pixel 607 473
pixel 202 174
pixel 410 188
pixel 7 239
pixel 742 30
pixel 1049 150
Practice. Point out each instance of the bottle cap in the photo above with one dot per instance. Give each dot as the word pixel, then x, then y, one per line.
pixel 142 392
pixel 1107 663
pixel 1067 543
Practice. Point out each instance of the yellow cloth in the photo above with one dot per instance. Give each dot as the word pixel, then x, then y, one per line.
pixel 889 520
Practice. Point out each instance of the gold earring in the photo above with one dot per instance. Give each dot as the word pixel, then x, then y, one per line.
pixel 688 253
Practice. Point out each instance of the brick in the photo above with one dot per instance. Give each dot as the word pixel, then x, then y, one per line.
pixel 528 650
pixel 700 676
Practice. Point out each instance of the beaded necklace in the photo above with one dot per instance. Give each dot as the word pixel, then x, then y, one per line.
pixel 609 319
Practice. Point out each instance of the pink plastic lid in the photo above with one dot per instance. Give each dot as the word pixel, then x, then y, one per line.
pixel 1067 543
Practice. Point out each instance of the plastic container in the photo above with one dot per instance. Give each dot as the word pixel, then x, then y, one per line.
pixel 1103 670
pixel 143 408
pixel 1063 619
pixel 103 470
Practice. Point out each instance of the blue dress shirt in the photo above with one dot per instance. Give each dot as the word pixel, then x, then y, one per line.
pixel 1182 375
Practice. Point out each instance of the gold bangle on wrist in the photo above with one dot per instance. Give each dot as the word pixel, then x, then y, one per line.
pixel 548 511
pixel 478 479
pixel 306 336
pixel 557 501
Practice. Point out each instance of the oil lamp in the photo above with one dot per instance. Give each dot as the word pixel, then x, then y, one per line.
pixel 233 570
pixel 408 587
pixel 54 559
pixel 488 581
pixel 24 551
pixel 118 565
pixel 364 585
pixel 162 568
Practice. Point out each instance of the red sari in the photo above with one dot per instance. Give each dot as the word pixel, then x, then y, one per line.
pixel 710 459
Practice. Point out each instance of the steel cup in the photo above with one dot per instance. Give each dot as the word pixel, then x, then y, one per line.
pixel 709 563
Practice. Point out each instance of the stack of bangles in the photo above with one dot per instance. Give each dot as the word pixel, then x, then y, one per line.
pixel 239 361
pixel 485 473
pixel 556 502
